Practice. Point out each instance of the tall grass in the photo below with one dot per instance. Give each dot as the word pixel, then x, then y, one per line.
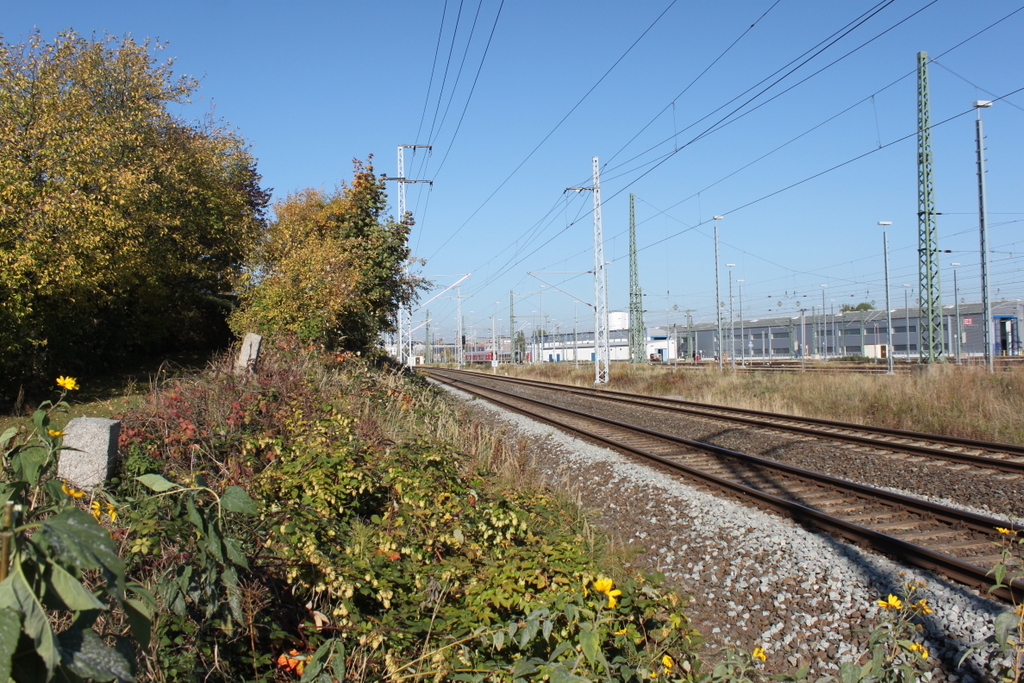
pixel 959 401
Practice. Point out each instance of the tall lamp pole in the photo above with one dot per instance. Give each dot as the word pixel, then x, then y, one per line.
pixel 732 321
pixel 906 315
pixel 956 307
pixel 888 310
pixel 743 348
pixel 718 296
pixel 983 230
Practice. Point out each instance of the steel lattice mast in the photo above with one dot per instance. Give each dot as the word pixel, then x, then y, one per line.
pixel 930 323
pixel 602 355
pixel 405 352
pixel 636 302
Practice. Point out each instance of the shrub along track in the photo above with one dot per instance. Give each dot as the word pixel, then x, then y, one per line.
pixel 956 543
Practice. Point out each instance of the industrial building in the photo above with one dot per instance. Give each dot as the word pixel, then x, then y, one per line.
pixel 854 333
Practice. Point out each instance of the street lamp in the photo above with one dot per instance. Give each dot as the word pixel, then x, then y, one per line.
pixel 732 320
pixel 743 350
pixel 824 326
pixel 888 310
pixel 956 307
pixel 983 231
pixel 718 297
pixel 906 314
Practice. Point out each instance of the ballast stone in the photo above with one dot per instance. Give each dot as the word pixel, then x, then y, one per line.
pixel 89 451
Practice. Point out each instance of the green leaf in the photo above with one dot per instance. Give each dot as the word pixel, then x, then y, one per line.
pixel 5 440
pixel 230 580
pixel 85 654
pixel 28 461
pixel 155 482
pixel 591 642
pixel 70 590
pixel 10 630
pixel 16 594
pixel 499 640
pixel 78 542
pixel 849 672
pixel 140 620
pixel 314 665
pixel 233 549
pixel 1005 622
pixel 235 499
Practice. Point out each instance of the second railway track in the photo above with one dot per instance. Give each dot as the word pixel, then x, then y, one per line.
pixel 952 542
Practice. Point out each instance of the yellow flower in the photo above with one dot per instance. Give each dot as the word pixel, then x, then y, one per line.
pixel 94 507
pixel 74 493
pixel 54 433
pixel 68 383
pixel 111 512
pixel 758 653
pixel 921 607
pixel 621 631
pixel 667 662
pixel 919 648
pixel 603 585
pixel 892 602
pixel 1003 531
pixel 612 595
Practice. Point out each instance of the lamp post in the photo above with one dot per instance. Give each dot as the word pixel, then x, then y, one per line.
pixel 824 326
pixel 956 307
pixel 888 310
pixel 732 319
pixel 718 297
pixel 743 350
pixel 906 315
pixel 983 232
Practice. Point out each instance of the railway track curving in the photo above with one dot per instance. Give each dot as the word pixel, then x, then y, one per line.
pixel 954 543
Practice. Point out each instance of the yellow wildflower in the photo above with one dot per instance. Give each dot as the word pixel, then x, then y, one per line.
pixel 603 585
pixel 612 595
pixel 921 607
pixel 621 631
pixel 667 662
pixel 919 648
pixel 74 493
pixel 111 512
pixel 1003 531
pixel 758 653
pixel 54 433
pixel 68 383
pixel 94 507
pixel 892 602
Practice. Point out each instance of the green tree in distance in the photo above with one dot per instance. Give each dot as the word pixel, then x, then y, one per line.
pixel 864 306
pixel 121 226
pixel 332 269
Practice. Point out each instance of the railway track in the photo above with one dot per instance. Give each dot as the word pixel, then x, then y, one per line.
pixel 1004 457
pixel 954 543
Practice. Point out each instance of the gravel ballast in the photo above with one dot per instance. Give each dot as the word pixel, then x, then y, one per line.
pixel 756 579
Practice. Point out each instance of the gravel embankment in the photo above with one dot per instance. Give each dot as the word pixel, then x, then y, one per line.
pixel 755 579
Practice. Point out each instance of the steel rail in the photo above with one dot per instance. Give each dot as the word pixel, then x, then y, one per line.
pixel 958 570
pixel 765 419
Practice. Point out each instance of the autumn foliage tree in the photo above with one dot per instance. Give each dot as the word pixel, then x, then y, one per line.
pixel 121 226
pixel 332 269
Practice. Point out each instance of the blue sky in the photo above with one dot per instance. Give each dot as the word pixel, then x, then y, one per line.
pixel 517 97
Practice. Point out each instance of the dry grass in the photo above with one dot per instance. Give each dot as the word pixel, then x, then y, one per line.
pixel 960 401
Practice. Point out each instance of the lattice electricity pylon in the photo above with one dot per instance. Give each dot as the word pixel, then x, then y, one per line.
pixel 405 352
pixel 636 300
pixel 602 351
pixel 930 286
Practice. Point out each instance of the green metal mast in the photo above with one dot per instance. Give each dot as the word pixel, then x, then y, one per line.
pixel 930 323
pixel 636 302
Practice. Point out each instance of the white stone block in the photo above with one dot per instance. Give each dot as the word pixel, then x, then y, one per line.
pixel 89 451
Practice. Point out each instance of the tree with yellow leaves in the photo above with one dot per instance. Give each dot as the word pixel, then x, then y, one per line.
pixel 333 269
pixel 121 226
